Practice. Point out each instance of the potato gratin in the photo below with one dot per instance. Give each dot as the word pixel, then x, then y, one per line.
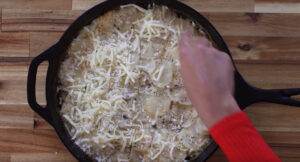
pixel 121 93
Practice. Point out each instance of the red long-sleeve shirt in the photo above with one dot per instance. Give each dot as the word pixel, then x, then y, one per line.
pixel 240 141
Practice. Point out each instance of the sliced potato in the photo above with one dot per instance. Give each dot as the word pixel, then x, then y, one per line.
pixel 156 106
pixel 180 98
pixel 163 75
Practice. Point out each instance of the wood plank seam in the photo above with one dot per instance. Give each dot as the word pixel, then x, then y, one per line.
pixel 266 57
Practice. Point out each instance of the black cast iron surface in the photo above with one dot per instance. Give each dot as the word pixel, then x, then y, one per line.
pixel 245 94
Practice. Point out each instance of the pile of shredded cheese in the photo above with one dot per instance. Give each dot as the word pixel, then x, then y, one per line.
pixel 121 93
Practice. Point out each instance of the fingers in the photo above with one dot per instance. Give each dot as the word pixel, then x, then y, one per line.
pixel 195 49
pixel 185 45
pixel 190 44
pixel 188 38
pixel 186 50
pixel 186 41
pixel 202 41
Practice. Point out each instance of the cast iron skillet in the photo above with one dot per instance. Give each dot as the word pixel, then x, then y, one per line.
pixel 245 94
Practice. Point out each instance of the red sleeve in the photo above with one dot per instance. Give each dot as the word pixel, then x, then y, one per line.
pixel 240 141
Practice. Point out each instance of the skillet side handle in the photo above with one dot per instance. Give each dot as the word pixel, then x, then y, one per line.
pixel 246 94
pixel 280 96
pixel 31 84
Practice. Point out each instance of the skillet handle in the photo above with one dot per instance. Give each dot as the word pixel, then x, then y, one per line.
pixel 31 84
pixel 280 96
pixel 246 94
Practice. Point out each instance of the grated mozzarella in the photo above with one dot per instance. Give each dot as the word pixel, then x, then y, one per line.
pixel 121 92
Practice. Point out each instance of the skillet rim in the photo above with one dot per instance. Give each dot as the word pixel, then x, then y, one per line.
pixel 85 19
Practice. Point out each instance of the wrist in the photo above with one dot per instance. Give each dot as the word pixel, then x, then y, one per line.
pixel 214 111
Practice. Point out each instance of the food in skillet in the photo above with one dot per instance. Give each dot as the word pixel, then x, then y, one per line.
pixel 121 93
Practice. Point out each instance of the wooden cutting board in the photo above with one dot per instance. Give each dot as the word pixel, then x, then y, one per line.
pixel 263 35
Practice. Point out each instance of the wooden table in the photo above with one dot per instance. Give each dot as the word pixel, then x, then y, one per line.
pixel 264 37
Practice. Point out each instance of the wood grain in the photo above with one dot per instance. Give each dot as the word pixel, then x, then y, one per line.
pixel 62 156
pixel 5 157
pixel 256 24
pixel 84 5
pixel 26 141
pixel 13 81
pixel 257 49
pixel 281 139
pixel 265 117
pixel 37 20
pixel 200 5
pixel 14 44
pixel 13 85
pixel 40 123
pixel 14 60
pixel 39 41
pixel 263 36
pixel 36 157
pixel 16 117
pixel 271 75
pixel 221 5
pixel 286 154
pixel 1 18
pixel 37 4
pixel 277 6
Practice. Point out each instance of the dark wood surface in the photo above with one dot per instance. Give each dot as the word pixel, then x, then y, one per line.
pixel 263 35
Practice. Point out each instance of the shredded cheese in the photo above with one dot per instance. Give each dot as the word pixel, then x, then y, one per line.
pixel 118 89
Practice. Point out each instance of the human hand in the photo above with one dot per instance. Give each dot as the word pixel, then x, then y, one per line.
pixel 208 78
